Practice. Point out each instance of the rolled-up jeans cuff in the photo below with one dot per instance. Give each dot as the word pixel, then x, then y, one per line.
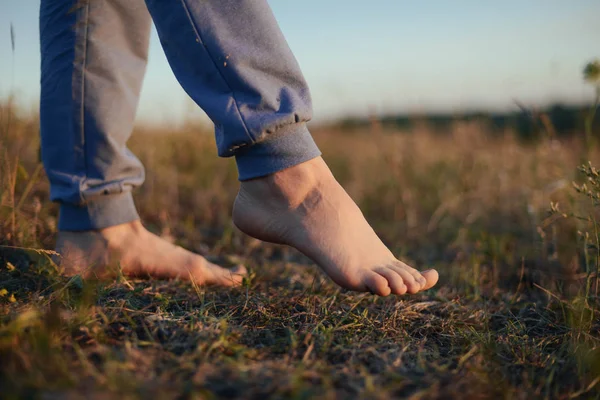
pixel 288 146
pixel 102 212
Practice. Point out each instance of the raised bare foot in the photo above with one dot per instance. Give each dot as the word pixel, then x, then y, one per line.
pixel 306 208
pixel 139 253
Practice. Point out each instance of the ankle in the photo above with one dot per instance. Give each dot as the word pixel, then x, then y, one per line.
pixel 118 233
pixel 290 186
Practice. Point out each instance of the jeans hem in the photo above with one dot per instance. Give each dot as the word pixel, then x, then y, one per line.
pixel 99 213
pixel 287 147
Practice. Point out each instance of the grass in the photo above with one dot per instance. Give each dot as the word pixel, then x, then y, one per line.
pixel 515 315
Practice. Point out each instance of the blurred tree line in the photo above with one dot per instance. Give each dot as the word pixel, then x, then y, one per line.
pixel 529 124
pixel 558 121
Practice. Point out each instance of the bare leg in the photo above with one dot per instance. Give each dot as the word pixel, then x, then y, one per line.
pixel 94 57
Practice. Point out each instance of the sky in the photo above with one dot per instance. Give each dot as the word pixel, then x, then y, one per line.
pixel 380 56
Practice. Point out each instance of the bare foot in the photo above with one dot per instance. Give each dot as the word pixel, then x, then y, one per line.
pixel 306 208
pixel 139 253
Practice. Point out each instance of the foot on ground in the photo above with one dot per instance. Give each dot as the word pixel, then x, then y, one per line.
pixel 306 208
pixel 139 253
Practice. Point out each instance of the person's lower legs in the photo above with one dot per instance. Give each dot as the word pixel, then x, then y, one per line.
pixel 232 59
pixel 94 57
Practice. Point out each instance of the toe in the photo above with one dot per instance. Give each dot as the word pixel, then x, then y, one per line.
pixel 419 278
pixel 231 277
pixel 377 284
pixel 234 276
pixel 431 276
pixel 213 274
pixel 412 286
pixel 239 270
pixel 394 280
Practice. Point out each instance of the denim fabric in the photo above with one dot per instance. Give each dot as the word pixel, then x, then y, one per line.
pixel 229 56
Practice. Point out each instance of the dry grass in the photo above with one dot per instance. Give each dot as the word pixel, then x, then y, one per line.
pixel 515 314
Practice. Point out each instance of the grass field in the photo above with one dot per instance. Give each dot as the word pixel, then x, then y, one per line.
pixel 516 313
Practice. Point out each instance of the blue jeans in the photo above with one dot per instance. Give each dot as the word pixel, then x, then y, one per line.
pixel 228 55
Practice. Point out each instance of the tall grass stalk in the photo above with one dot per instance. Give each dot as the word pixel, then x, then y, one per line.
pixel 591 74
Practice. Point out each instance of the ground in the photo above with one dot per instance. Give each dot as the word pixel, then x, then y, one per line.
pixel 515 314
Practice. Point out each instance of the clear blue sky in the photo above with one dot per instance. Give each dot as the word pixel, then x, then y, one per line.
pixel 383 55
